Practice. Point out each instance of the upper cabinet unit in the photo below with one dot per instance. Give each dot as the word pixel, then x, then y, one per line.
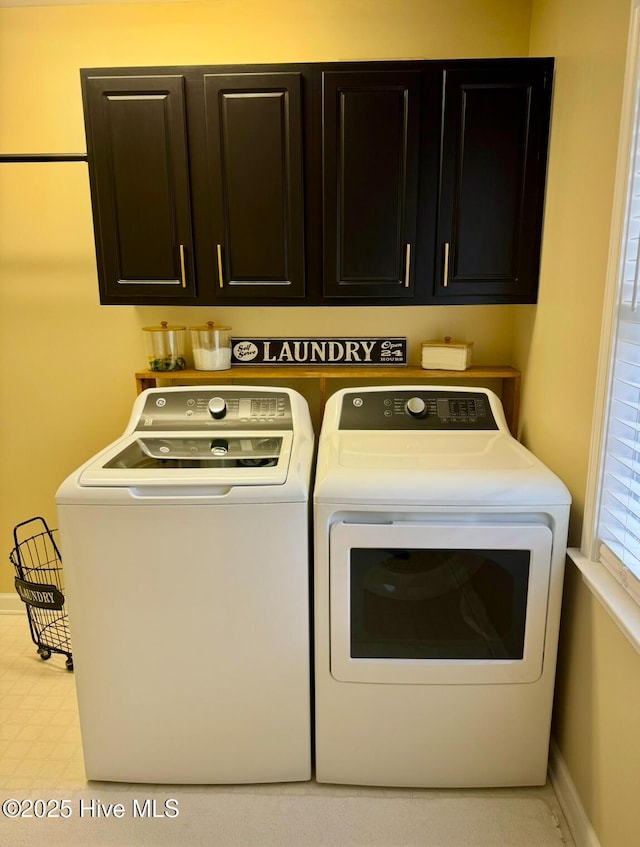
pixel 139 171
pixel 368 183
pixel 197 185
pixel 251 217
pixel 371 148
pixel 495 126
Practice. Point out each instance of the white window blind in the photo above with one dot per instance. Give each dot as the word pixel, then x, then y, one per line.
pixel 619 515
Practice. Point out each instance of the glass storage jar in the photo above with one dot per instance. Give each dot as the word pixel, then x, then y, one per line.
pixel 165 347
pixel 211 346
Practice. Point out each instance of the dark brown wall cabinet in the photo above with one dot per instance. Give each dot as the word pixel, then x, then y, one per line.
pixel 492 175
pixel 351 184
pixel 138 165
pixel 197 186
pixel 254 201
pixel 371 144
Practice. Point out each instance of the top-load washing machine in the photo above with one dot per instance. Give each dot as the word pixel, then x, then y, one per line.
pixel 186 553
pixel 439 557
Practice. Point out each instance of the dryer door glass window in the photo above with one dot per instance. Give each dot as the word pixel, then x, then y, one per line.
pixel 438 604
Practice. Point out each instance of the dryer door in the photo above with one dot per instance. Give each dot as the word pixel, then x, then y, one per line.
pixel 436 603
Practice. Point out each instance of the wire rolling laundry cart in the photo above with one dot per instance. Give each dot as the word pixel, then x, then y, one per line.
pixel 39 584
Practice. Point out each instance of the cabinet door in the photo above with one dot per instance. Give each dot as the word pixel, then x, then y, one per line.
pixel 371 124
pixel 137 150
pixel 492 176
pixel 255 237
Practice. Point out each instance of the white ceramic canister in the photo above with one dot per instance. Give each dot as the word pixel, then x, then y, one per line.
pixel 165 347
pixel 211 346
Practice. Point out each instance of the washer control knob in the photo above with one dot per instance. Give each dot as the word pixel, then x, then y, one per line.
pixel 217 407
pixel 416 407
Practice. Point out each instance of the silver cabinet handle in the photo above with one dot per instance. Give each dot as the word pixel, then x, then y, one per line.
pixel 220 274
pixel 182 271
pixel 407 265
pixel 445 275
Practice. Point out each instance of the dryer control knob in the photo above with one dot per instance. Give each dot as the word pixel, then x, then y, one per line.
pixel 217 407
pixel 416 407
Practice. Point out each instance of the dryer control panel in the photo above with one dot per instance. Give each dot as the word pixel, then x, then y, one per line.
pixel 416 409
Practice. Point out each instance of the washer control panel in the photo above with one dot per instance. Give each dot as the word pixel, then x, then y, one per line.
pixel 416 409
pixel 215 408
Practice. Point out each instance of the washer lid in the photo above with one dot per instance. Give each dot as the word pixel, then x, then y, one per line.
pixel 168 459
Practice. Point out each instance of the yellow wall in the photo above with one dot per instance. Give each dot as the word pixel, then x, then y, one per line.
pixel 556 343
pixel 67 384
pixel 67 379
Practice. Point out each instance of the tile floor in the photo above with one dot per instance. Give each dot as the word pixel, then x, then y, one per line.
pixel 40 744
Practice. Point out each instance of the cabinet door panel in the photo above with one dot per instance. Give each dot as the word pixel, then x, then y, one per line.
pixel 254 148
pixel 493 163
pixel 492 156
pixel 370 135
pixel 137 144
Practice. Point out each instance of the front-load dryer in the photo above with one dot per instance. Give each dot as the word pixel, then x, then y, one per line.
pixel 186 554
pixel 439 556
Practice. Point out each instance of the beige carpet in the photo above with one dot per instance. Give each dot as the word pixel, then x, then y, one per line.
pixel 236 819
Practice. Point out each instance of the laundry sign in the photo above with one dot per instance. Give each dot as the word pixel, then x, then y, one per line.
pixel 318 351
pixel 42 596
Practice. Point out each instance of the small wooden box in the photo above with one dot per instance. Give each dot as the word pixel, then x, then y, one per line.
pixel 446 355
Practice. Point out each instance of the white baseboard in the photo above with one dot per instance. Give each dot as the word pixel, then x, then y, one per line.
pixel 11 604
pixel 583 833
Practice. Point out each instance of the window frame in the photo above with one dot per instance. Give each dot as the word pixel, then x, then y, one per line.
pixel 606 576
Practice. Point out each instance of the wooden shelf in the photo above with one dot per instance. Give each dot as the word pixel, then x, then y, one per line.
pixel 372 373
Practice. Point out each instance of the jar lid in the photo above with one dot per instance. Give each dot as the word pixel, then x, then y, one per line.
pixel 164 327
pixel 447 342
pixel 210 326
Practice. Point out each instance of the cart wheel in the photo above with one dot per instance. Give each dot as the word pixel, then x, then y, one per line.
pixel 69 664
pixel 44 653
